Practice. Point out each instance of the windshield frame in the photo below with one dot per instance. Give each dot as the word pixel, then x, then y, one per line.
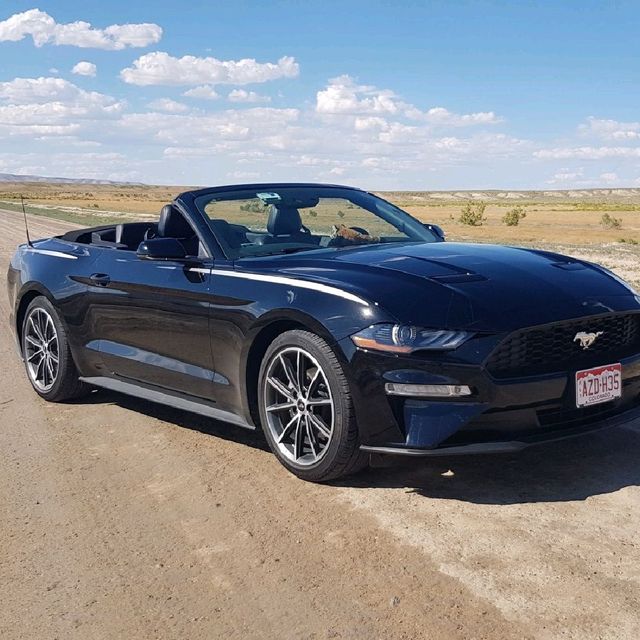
pixel 416 231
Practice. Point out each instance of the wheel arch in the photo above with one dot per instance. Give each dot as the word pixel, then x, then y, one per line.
pixel 29 292
pixel 259 339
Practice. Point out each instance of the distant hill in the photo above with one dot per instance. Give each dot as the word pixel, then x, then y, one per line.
pixel 12 177
pixel 493 195
pixel 627 196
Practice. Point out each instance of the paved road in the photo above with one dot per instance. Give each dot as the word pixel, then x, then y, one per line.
pixel 123 519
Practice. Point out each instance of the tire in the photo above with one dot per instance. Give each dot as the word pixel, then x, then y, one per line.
pixel 47 357
pixel 306 410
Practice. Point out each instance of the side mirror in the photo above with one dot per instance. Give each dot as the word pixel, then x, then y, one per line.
pixel 161 249
pixel 437 230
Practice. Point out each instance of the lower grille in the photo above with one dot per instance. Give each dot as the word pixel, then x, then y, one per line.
pixel 554 348
pixel 574 417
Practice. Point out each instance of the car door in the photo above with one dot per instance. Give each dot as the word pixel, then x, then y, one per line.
pixel 152 321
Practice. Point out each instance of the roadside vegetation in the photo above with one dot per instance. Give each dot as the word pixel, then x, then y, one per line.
pixel 609 222
pixel 580 218
pixel 472 214
pixel 513 217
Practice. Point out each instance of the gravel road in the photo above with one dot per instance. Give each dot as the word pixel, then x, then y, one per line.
pixel 124 519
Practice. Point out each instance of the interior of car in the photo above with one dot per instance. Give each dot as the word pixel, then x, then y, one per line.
pixel 128 236
pixel 284 226
pixel 250 225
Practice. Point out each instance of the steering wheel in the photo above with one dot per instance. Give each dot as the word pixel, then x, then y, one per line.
pixel 364 232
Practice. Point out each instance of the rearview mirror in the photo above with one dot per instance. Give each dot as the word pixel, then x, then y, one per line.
pixel 161 249
pixel 437 230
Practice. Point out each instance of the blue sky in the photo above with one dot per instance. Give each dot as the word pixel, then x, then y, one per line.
pixel 384 95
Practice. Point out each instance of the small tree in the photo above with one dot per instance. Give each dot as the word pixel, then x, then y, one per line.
pixel 512 217
pixel 473 214
pixel 609 222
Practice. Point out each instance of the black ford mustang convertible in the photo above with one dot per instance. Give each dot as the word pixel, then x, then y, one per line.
pixel 334 321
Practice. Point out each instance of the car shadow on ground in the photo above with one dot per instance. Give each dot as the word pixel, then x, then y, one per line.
pixel 573 469
pixel 179 417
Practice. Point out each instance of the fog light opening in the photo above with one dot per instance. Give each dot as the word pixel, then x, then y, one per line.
pixel 428 390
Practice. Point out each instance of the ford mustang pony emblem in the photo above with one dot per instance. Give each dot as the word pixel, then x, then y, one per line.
pixel 587 339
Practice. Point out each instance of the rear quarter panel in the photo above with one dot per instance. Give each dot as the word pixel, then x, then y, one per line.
pixel 59 271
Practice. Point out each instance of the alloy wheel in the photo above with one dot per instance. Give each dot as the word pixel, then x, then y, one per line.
pixel 298 404
pixel 41 349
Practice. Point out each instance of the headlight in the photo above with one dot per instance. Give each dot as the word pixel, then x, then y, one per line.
pixel 401 338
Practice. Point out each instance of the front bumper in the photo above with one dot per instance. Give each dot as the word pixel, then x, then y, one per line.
pixel 509 446
pixel 501 416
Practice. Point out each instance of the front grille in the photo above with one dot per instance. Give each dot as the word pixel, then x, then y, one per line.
pixel 553 348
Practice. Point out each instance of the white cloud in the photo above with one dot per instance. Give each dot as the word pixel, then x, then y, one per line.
pixel 577 179
pixel 169 106
pixel 258 124
pixel 609 177
pixel 442 116
pixel 240 95
pixel 369 137
pixel 243 175
pixel 566 176
pixel 51 106
pixel 85 69
pixel 344 96
pixel 43 29
pixel 588 153
pixel 159 68
pixel 611 129
pixel 203 92
pixel 398 133
pixel 370 123
pixel 52 91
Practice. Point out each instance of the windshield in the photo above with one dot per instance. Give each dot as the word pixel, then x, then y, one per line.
pixel 287 220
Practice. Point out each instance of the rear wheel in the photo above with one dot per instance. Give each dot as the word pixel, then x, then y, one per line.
pixel 46 354
pixel 306 408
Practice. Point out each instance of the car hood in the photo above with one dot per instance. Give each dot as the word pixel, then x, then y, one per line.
pixel 455 285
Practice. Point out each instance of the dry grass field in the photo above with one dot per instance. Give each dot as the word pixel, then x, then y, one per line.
pixel 565 221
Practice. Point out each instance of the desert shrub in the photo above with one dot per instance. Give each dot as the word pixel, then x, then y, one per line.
pixel 313 213
pixel 609 222
pixel 628 240
pixel 341 214
pixel 513 216
pixel 253 207
pixel 473 214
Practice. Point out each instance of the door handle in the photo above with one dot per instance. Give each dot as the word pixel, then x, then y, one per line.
pixel 100 279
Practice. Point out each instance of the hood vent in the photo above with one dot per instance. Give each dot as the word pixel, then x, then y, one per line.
pixel 569 266
pixel 455 278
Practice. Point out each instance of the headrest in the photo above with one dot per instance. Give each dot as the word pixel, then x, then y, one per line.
pixel 283 220
pixel 172 223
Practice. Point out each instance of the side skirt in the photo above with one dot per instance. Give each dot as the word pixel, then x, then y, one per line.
pixel 161 396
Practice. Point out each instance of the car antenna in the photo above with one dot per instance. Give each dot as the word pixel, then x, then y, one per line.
pixel 26 226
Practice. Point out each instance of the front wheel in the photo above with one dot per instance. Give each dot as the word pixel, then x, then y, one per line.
pixel 306 408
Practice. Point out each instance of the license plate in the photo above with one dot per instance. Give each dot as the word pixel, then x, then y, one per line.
pixel 601 384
